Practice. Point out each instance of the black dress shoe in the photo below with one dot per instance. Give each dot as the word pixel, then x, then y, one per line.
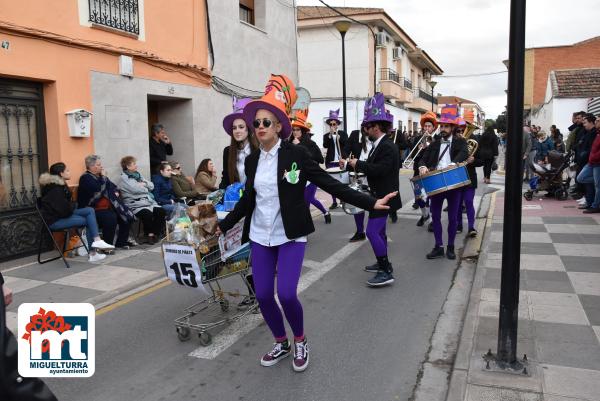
pixel 327 218
pixel 450 252
pixel 333 206
pixel 430 227
pixel 358 237
pixel 415 206
pixel 592 210
pixel 394 218
pixel 422 220
pixel 436 253
pixel 472 233
pixel 459 229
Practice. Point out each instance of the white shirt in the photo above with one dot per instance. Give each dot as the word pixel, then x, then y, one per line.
pixel 266 226
pixel 446 160
pixel 241 157
pixel 336 154
pixel 364 154
pixel 377 142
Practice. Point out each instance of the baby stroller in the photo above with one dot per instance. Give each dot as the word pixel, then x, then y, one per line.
pixel 553 177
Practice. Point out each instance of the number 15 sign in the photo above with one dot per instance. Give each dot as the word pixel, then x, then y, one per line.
pixel 182 267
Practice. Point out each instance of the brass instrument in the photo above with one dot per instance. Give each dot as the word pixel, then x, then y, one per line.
pixel 473 145
pixel 415 151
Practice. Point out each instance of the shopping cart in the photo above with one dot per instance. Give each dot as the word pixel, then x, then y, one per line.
pixel 215 310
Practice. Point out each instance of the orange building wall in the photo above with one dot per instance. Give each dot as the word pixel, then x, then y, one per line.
pixel 65 71
pixel 583 55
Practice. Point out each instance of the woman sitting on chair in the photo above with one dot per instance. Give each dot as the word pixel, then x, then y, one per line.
pixel 60 212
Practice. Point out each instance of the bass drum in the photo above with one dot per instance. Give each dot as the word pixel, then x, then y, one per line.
pixel 351 209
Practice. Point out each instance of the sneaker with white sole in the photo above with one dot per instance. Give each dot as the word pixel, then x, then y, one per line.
pixel 300 362
pixel 97 257
pixel 279 351
pixel 100 244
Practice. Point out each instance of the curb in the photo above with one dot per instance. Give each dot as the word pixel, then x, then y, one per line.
pixel 436 379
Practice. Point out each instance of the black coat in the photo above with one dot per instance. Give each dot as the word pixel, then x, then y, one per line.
pixel 313 150
pixel 488 146
pixel 583 146
pixel 330 146
pixel 381 169
pixel 400 140
pixel 471 169
pixel 459 152
pixel 225 176
pixel 295 214
pixel 353 145
pixel 56 198
pixel 158 153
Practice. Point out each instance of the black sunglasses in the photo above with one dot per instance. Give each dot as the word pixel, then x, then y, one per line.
pixel 332 124
pixel 265 122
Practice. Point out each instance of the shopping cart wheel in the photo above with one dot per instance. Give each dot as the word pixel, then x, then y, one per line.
pixel 184 333
pixel 224 305
pixel 205 338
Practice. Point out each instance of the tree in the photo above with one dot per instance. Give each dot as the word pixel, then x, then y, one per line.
pixel 501 122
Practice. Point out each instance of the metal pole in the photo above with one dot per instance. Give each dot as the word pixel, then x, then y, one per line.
pixel 344 81
pixel 432 98
pixel 511 245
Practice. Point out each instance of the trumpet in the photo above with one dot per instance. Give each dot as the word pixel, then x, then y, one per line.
pixel 415 151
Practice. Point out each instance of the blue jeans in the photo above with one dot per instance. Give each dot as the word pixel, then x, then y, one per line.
pixel 169 207
pixel 80 217
pixel 590 176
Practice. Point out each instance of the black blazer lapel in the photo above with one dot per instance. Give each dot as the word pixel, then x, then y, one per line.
pixel 377 149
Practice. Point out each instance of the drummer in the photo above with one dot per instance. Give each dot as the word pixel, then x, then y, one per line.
pixel 301 137
pixel 429 125
pixel 381 169
pixel 334 141
pixel 277 220
pixel 445 151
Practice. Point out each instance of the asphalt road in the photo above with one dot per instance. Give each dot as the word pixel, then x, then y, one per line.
pixel 366 344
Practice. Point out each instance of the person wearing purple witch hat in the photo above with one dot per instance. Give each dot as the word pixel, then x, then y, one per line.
pixel 335 142
pixel 381 168
pixel 242 144
pixel 446 150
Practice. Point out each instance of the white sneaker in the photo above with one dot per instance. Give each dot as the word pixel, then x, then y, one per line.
pixel 100 244
pixel 97 257
pixel 581 201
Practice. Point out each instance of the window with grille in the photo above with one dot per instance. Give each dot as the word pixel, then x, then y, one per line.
pixel 122 15
pixel 247 11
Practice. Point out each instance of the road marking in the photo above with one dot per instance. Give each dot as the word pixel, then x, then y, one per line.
pixel 240 328
pixel 132 297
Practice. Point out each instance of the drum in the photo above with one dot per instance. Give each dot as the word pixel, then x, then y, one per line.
pixel 351 209
pixel 438 181
pixel 339 174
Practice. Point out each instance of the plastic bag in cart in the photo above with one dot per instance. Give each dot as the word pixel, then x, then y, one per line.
pixel 179 223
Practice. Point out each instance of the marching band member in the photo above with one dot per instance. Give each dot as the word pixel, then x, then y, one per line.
pixel 429 125
pixel 301 136
pixel 468 192
pixel 444 151
pixel 277 220
pixel 381 169
pixel 334 141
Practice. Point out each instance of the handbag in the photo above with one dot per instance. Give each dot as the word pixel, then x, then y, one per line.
pixel 494 166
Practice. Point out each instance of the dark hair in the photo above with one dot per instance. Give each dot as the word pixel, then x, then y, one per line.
pixel 203 166
pixel 156 128
pixel 304 136
pixel 57 168
pixel 126 161
pixel 581 113
pixel 384 126
pixel 590 117
pixel 233 151
pixel 164 165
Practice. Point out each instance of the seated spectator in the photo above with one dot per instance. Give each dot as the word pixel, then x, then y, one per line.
pixel 98 192
pixel 542 146
pixel 163 189
pixel 182 186
pixel 137 195
pixel 59 211
pixel 206 177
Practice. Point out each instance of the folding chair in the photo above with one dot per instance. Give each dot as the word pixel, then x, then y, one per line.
pixel 66 232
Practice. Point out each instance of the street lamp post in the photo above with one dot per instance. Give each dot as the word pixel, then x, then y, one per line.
pixel 432 83
pixel 343 26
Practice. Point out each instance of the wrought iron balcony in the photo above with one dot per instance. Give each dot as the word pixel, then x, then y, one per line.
pixel 387 74
pixel 122 15
pixel 427 96
pixel 407 83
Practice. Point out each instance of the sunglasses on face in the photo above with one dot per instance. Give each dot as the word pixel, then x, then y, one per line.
pixel 333 124
pixel 265 122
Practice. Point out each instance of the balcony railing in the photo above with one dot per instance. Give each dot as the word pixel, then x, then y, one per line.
pixel 122 15
pixel 387 74
pixel 407 83
pixel 427 96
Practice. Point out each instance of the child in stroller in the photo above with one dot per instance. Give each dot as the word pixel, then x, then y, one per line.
pixel 550 175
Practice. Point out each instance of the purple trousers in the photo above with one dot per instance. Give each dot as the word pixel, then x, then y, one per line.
pixel 453 198
pixel 467 196
pixel 359 219
pixel 286 261
pixel 377 236
pixel 329 165
pixel 309 197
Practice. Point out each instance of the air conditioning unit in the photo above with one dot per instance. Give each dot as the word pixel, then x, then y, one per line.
pixel 381 39
pixel 398 52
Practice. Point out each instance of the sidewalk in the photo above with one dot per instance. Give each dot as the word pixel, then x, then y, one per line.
pixel 559 310
pixel 84 281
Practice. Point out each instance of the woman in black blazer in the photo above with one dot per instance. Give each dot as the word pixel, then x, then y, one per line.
pixel 277 219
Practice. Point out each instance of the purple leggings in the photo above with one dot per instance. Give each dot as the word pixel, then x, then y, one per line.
pixel 467 196
pixel 376 235
pixel 359 219
pixel 453 198
pixel 286 261
pixel 309 197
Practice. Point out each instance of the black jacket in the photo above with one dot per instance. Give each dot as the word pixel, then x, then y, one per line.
pixel 488 146
pixel 459 152
pixel 583 146
pixel 400 140
pixel 471 169
pixel 381 169
pixel 225 177
pixel 313 150
pixel 295 214
pixel 158 153
pixel 56 198
pixel 353 145
pixel 330 146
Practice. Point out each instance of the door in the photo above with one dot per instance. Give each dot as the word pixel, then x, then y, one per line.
pixel 22 158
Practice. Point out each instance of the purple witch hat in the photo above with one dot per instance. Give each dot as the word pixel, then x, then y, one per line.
pixel 334 115
pixel 375 110
pixel 238 109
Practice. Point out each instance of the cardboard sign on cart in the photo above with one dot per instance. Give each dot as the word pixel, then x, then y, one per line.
pixel 231 242
pixel 182 267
